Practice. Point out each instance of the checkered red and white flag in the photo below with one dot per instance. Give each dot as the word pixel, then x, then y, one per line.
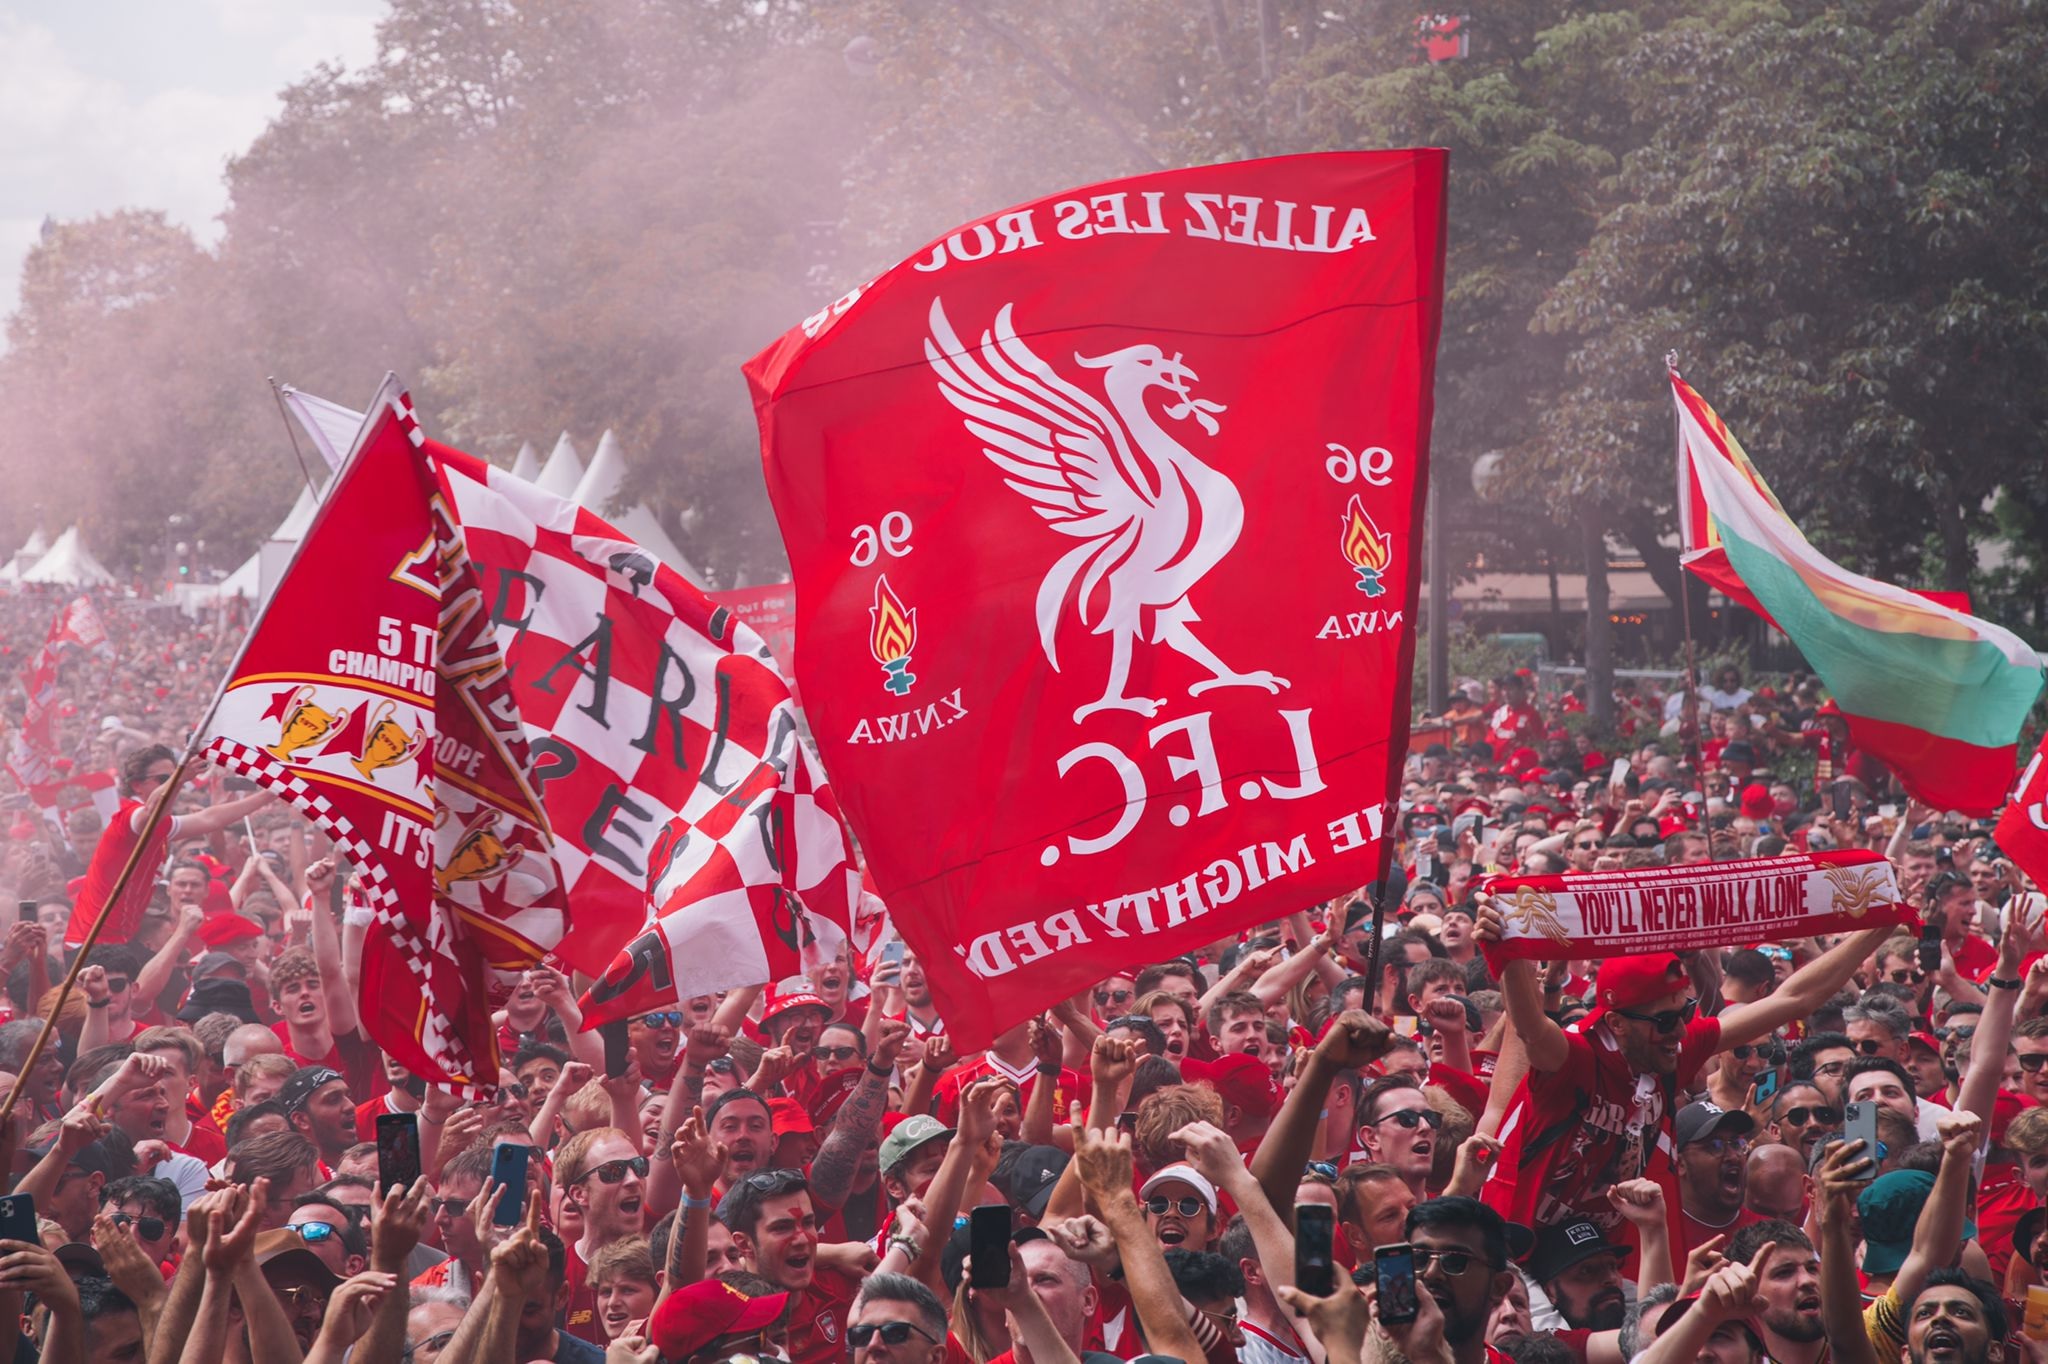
pixel 695 837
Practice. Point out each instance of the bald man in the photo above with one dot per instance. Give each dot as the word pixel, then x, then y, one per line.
pixel 248 1041
pixel 1776 1183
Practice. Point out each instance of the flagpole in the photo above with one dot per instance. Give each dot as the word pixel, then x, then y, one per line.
pixel 1689 719
pixel 156 815
pixel 291 435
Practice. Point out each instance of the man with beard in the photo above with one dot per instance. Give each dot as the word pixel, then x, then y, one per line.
pixel 604 1176
pixel 775 1229
pixel 317 1107
pixel 1397 1128
pixel 1713 1169
pixel 740 1121
pixel 1584 1119
pixel 1801 1115
pixel 918 1009
pixel 1579 1270
pixel 1788 1281
pixel 1461 1261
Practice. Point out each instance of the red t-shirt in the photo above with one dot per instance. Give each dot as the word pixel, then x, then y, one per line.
pixel 108 858
pixel 579 1318
pixel 946 1094
pixel 1573 1133
pixel 206 1143
pixel 1975 957
pixel 817 1320
pixel 2002 1199
pixel 1469 1090
pixel 358 1060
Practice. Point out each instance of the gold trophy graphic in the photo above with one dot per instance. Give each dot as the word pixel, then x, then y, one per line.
pixel 305 725
pixel 479 855
pixel 386 745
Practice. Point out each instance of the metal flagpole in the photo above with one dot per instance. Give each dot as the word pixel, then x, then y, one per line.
pixel 291 435
pixel 1689 718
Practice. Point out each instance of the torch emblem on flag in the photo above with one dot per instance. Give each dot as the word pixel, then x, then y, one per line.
pixel 1366 548
pixel 893 637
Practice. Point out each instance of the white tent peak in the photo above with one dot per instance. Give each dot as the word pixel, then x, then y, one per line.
pixel 68 563
pixel 601 484
pixel 563 470
pixel 37 544
pixel 527 464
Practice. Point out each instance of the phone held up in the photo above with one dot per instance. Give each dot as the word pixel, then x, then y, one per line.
pixel 1393 1268
pixel 1315 1265
pixel 988 1246
pixel 508 1170
pixel 398 1150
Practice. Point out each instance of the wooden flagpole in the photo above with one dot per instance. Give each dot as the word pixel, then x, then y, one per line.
pixel 92 936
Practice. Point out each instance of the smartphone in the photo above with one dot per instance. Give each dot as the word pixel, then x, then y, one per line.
pixel 988 1245
pixel 1838 801
pixel 617 1052
pixel 1859 1120
pixel 508 1169
pixel 1930 947
pixel 895 951
pixel 1127 1121
pixel 1620 772
pixel 1766 1085
pixel 18 1219
pixel 28 910
pixel 1393 1267
pixel 398 1150
pixel 1315 1268
pixel 1425 868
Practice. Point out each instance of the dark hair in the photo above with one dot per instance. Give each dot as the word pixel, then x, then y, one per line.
pixel 97 1297
pixel 93 1066
pixel 1148 979
pixel 1867 1065
pixel 1203 1274
pixel 136 766
pixel 1152 1074
pixel 729 1098
pixel 1454 1211
pixel 1748 966
pixel 1987 1297
pixel 1539 1347
pixel 245 1117
pixel 658 1238
pixel 355 1238
pixel 1921 1155
pixel 475 1163
pixel 538 1051
pixel 160 1196
pixel 1154 1035
pixel 1801 1056
pixel 1385 1084
pixel 1229 1003
pixel 119 959
pixel 1744 1244
pixel 558 1259
pixel 740 1209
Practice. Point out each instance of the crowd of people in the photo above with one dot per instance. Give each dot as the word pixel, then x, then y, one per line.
pixel 1798 1150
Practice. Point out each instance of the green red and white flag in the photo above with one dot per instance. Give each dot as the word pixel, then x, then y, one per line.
pixel 1935 693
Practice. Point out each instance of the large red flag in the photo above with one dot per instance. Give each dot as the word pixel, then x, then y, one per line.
pixel 2022 832
pixel 1102 512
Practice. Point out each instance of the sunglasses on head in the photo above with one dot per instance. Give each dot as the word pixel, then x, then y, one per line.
pixel 891 1332
pixel 1326 1168
pixel 662 1020
pixel 1665 1020
pixel 1186 1207
pixel 148 1228
pixel 614 1171
pixel 1411 1118
pixel 1819 1113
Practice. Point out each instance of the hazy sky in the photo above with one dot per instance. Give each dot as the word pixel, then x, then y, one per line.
pixel 108 104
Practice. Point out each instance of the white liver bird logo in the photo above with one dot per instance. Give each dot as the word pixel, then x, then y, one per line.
pixel 1151 518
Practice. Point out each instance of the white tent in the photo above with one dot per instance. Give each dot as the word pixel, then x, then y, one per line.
pixel 563 471
pixel 527 465
pixel 601 483
pixel 68 563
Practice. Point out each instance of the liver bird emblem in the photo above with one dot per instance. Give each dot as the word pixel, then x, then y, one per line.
pixel 1535 911
pixel 1151 518
pixel 1857 890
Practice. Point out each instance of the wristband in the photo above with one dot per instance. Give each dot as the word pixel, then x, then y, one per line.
pixel 689 1202
pixel 1048 1070
pixel 98 1003
pixel 1995 983
pixel 910 1247
pixel 884 1073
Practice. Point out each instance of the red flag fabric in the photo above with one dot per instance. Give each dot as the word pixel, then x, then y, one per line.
pixel 1102 512
pixel 365 697
pixel 2022 832
pixel 665 753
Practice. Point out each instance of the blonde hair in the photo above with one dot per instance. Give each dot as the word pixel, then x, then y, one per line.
pixel 627 1259
pixel 1164 1112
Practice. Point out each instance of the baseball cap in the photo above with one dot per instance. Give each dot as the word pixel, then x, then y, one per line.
pixel 286 1246
pixel 1756 801
pixel 1185 1174
pixel 300 1088
pixel 1698 1121
pixel 913 1132
pixel 1630 982
pixel 1026 1175
pixel 220 994
pixel 781 1004
pixel 219 930
pixel 692 1317
pixel 1244 1082
pixel 1890 1209
pixel 1565 1244
pixel 788 1116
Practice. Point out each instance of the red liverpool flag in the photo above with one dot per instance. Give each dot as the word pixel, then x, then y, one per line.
pixel 1103 513
pixel 370 696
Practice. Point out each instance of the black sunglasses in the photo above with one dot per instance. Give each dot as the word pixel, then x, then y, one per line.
pixel 1666 1020
pixel 770 1182
pixel 148 1228
pixel 1411 1118
pixel 662 1020
pixel 846 1053
pixel 1820 1113
pixel 1187 1207
pixel 614 1171
pixel 1870 1046
pixel 1103 997
pixel 1774 1051
pixel 892 1333
pixel 723 1065
pixel 1451 1262
pixel 2032 1061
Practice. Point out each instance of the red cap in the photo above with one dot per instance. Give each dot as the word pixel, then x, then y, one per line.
pixel 2005 1106
pixel 1756 800
pixel 1593 761
pixel 221 929
pixel 1630 982
pixel 787 1115
pixel 1925 1039
pixel 779 1005
pixel 1245 1082
pixel 1523 760
pixel 1827 707
pixel 1673 824
pixel 692 1317
pixel 1557 732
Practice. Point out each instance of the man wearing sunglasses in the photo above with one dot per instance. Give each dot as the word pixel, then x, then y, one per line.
pixel 1591 1110
pixel 604 1177
pixel 1801 1115
pixel 331 1234
pixel 1713 1169
pixel 1398 1128
pixel 1461 1261
pixel 897 1320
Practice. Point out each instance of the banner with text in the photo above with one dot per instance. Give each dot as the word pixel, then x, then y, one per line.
pixel 1683 909
pixel 1103 512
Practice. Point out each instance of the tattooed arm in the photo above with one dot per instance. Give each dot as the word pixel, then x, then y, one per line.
pixel 859 1124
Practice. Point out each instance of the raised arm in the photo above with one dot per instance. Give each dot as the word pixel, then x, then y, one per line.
pixel 156 972
pixel 1355 1039
pixel 1939 1233
pixel 334 982
pixel 1994 1035
pixel 859 1124
pixel 1105 1162
pixel 1844 1173
pixel 1803 993
pixel 1542 1040
pixel 214 818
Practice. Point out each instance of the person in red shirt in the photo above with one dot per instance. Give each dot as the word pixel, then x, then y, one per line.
pixel 1595 1103
pixel 1012 1058
pixel 1513 722
pixel 775 1229
pixel 187 1126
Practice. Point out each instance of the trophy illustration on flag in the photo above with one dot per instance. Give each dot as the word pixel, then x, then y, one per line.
pixel 387 744
pixel 306 725
pixel 480 855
